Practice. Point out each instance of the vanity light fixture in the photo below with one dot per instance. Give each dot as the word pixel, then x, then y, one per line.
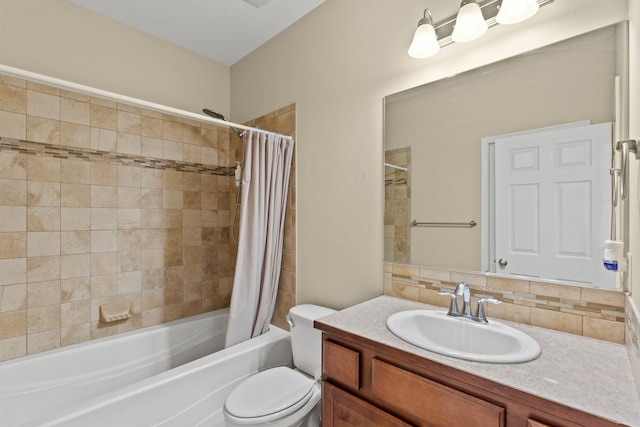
pixel 425 41
pixel 514 11
pixel 472 21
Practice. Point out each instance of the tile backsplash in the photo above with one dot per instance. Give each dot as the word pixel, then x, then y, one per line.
pixel 632 339
pixel 594 313
pixel 103 202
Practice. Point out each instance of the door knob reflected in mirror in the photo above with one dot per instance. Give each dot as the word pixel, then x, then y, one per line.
pixel 502 262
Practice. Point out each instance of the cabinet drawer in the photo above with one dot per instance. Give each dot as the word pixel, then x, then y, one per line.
pixel 341 364
pixel 434 403
pixel 341 409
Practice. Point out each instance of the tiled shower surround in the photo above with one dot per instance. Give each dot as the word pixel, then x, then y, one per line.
pixel 103 202
pixel 397 206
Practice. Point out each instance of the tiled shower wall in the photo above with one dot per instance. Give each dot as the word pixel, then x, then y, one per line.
pixel 283 121
pixel 103 202
pixel 397 206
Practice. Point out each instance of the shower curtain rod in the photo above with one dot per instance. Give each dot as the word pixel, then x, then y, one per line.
pixel 88 90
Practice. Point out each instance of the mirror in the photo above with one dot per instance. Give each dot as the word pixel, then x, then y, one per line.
pixel 433 136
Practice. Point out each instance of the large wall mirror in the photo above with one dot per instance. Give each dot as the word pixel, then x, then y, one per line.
pixel 436 142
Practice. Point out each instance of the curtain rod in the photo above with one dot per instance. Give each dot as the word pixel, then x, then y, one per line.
pixel 88 90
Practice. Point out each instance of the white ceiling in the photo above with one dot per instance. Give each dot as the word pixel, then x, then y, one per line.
pixel 223 30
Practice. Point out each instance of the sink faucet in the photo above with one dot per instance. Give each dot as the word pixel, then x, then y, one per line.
pixel 462 290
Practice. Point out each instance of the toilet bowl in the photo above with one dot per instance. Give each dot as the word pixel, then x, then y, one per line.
pixel 284 396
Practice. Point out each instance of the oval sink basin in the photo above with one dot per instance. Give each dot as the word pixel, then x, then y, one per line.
pixel 462 338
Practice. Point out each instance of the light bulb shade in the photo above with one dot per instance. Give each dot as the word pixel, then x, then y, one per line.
pixel 514 11
pixel 425 42
pixel 470 23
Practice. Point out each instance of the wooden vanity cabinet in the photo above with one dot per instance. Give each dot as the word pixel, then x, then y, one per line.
pixel 370 384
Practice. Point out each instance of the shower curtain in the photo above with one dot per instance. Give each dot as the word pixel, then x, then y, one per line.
pixel 265 181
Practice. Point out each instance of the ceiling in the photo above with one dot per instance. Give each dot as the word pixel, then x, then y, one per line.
pixel 222 30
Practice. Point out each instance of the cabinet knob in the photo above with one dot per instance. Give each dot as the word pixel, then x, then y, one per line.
pixel 502 262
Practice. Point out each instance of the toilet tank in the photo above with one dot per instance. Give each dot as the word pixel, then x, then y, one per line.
pixel 306 341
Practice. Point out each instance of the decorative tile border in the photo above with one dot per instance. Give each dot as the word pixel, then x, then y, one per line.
pixel 66 152
pixel 583 308
pixel 583 311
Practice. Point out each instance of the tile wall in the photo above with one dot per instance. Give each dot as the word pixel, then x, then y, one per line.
pixel 397 205
pixel 103 202
pixel 589 312
pixel 632 339
pixel 283 121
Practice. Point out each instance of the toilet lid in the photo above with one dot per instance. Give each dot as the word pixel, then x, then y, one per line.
pixel 278 390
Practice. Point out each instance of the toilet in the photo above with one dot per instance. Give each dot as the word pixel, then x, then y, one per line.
pixel 283 396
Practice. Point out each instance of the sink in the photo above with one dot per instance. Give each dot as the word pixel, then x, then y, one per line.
pixel 461 338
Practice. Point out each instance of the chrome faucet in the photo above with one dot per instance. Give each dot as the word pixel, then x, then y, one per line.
pixel 462 290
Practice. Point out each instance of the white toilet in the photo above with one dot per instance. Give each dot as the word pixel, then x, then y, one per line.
pixel 283 396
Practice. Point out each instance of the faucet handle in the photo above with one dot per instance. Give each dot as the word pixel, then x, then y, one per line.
pixel 453 306
pixel 480 315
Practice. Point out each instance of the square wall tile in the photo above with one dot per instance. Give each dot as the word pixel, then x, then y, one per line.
pixel 43 130
pixel 14 271
pixel 43 243
pixel 13 125
pixel 13 192
pixel 13 245
pixel 12 165
pixel 43 193
pixel 13 99
pixel 14 218
pixel 75 111
pixel 41 294
pixel 43 341
pixel 43 218
pixel 13 324
pixel 44 268
pixel 74 135
pixel 43 105
pixel 13 297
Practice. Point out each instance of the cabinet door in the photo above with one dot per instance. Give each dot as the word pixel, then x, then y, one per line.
pixel 341 409
pixel 431 403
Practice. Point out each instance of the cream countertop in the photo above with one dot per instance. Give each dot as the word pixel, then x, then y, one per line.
pixel 583 373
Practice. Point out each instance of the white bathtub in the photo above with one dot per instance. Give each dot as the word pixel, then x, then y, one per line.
pixel 35 386
pixel 188 396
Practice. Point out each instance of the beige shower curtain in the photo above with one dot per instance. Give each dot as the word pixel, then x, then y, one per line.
pixel 265 181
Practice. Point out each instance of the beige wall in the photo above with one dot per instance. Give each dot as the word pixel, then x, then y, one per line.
pixel 337 64
pixel 60 39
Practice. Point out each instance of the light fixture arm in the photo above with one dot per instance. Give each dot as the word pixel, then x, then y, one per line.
pixel 426 19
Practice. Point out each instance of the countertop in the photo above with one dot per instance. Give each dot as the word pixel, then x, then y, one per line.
pixel 583 373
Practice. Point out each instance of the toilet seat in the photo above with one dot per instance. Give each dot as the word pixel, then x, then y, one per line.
pixel 269 395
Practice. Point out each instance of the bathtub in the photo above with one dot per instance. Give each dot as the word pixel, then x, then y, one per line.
pixel 35 386
pixel 187 396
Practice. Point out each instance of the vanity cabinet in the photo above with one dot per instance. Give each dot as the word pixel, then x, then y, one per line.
pixel 370 384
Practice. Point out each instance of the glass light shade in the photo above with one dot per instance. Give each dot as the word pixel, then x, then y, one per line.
pixel 425 42
pixel 514 11
pixel 470 23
